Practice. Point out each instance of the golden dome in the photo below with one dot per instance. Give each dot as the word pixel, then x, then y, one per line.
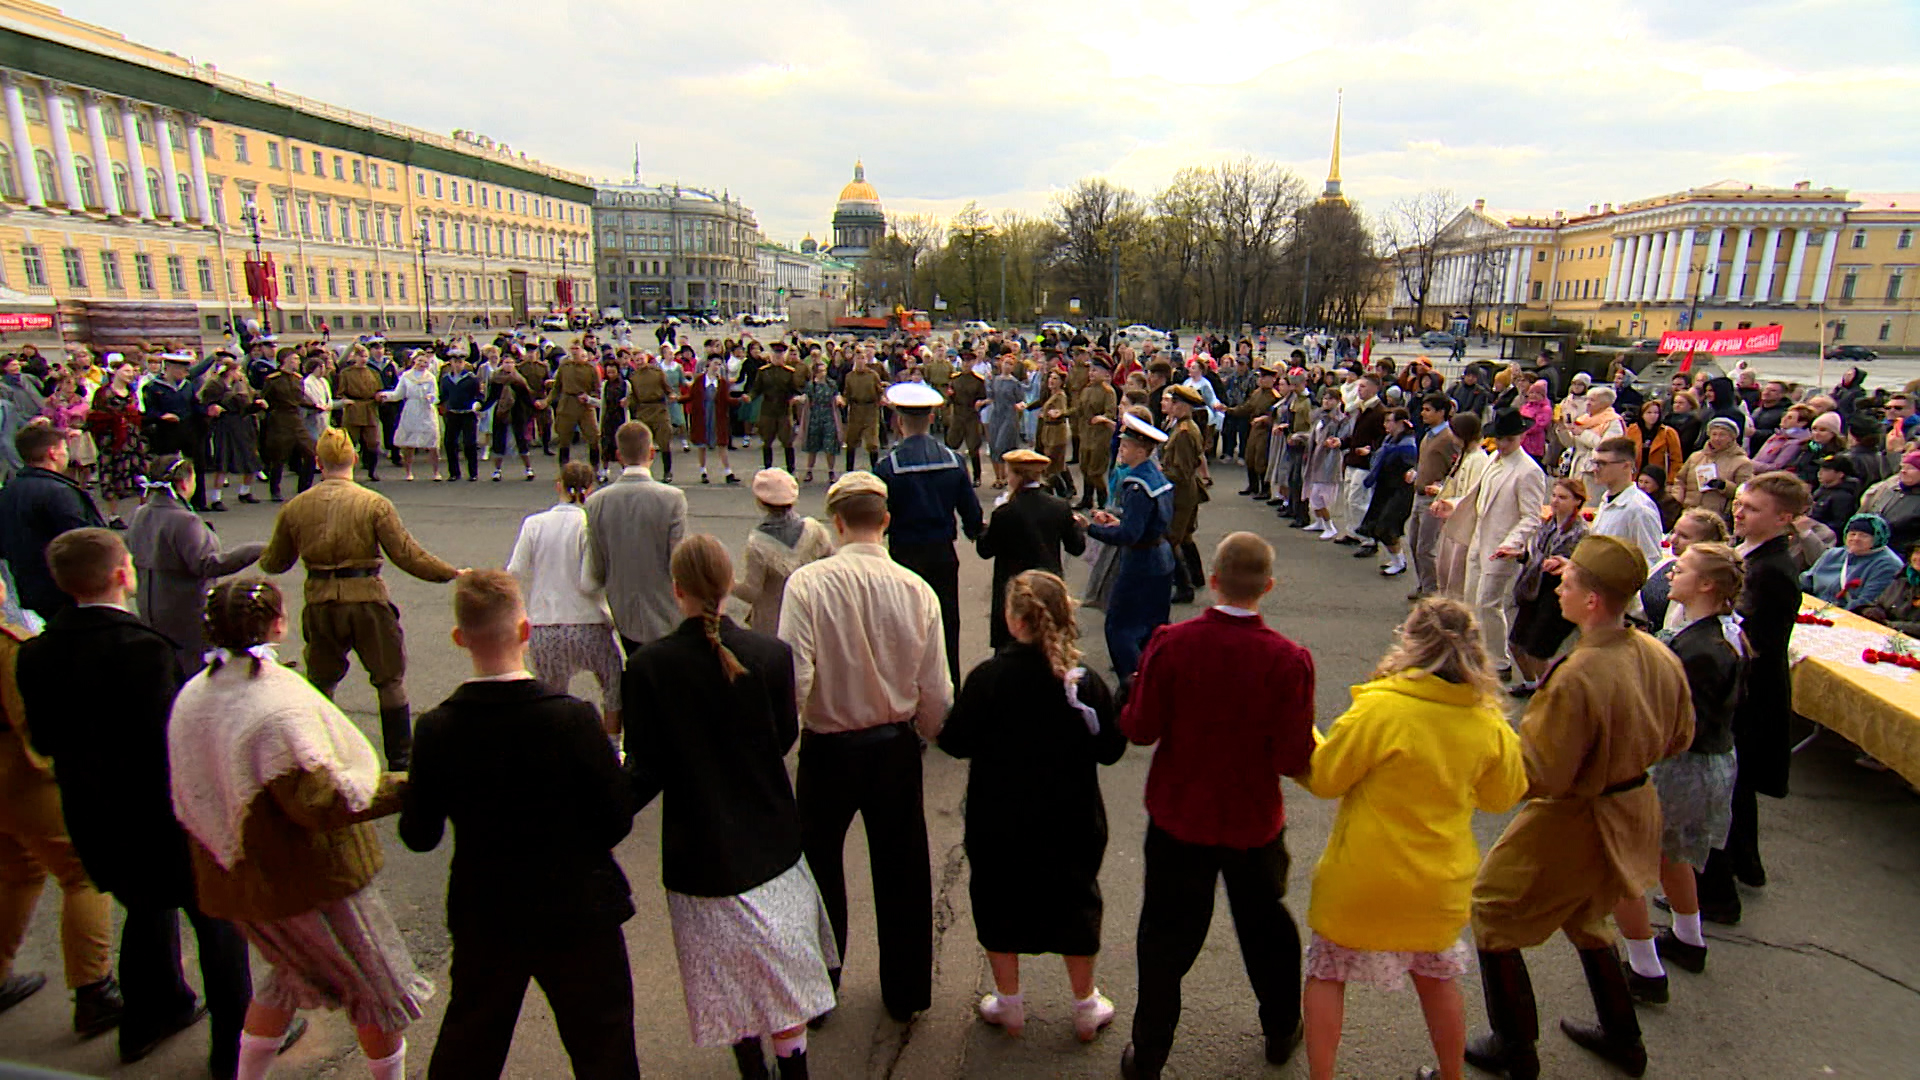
pixel 859 190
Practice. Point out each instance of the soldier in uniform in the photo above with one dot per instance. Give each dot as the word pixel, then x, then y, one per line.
pixel 1255 410
pixel 776 385
pixel 926 486
pixel 388 372
pixel 647 393
pixel 571 401
pixel 1094 409
pixel 283 432
pixel 340 530
pixel 538 373
pixel 860 394
pixel 1079 374
pixel 358 388
pixel 1181 461
pixel 176 421
pixel 938 371
pixel 964 391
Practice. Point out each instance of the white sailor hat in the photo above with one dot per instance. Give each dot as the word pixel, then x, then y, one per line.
pixel 265 339
pixel 914 395
pixel 182 357
pixel 1132 427
pixel 111 359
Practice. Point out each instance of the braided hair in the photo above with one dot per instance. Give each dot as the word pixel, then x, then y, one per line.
pixel 1041 602
pixel 576 477
pixel 702 571
pixel 240 614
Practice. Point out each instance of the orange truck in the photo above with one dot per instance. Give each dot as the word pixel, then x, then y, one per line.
pixel 901 320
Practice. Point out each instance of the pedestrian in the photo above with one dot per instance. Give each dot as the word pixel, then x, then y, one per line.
pixel 1450 554
pixel 821 421
pixel 107 739
pixel 927 489
pixel 573 400
pixel 538 373
pixel 66 409
pixel 778 387
pixel 1589 835
pixel 1695 526
pixel 1251 420
pixel 359 388
pixel 284 434
pixel 1027 531
pixel 782 543
pixel 1584 433
pixel 708 399
pixel 38 504
pixel 1229 701
pixel 278 790
pixel 870 669
pixel 114 420
pixel 1331 427
pixel 178 557
pixel 1439 454
pixel 1055 437
pixel 1006 396
pixel 1390 478
pixel 317 383
pixel 460 393
pixel 419 426
pixel 1140 599
pixel 537 802
pixel 1493 519
pixel 341 531
pixel 714 713
pixel 633 525
pixel 509 401
pixel 232 432
pixel 572 626
pixel 1539 629
pixel 1656 444
pixel 1036 725
pixel 1424 744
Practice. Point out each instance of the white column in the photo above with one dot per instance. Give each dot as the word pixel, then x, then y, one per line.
pixel 1682 265
pixel 1763 291
pixel 1711 283
pixel 102 160
pixel 197 161
pixel 1667 246
pixel 136 161
pixel 1616 268
pixel 22 143
pixel 62 148
pixel 1741 247
pixel 1642 263
pixel 169 175
pixel 1829 246
pixel 1517 262
pixel 1656 269
pixel 1790 293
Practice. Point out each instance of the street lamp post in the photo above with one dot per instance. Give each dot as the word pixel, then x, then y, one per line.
pixel 562 279
pixel 252 215
pixel 426 286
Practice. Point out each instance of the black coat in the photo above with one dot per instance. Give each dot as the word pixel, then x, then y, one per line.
pixel 537 802
pixel 36 506
pixel 1716 676
pixel 1036 826
pixel 98 687
pixel 1832 506
pixel 715 749
pixel 1025 533
pixel 1767 608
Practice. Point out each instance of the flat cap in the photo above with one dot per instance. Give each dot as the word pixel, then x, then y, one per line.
pixel 1024 456
pixel 858 482
pixel 775 487
pixel 1616 565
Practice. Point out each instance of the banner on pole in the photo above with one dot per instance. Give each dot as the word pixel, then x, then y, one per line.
pixel 1722 342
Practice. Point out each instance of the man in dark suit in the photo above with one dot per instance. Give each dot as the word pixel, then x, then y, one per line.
pixel 1026 532
pixel 537 801
pixel 107 738
pixel 37 505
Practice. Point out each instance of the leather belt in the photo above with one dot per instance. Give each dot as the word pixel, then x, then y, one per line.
pixel 1625 786
pixel 863 736
pixel 344 572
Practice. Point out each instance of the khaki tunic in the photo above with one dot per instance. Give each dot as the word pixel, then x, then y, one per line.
pixel 538 374
pixel 862 391
pixel 1180 461
pixel 1054 436
pixel 964 391
pixel 357 387
pixel 283 430
pixel 647 402
pixel 776 384
pixel 1079 374
pixel 338 524
pixel 570 414
pixel 1260 437
pixel 1096 441
pixel 938 372
pixel 1616 705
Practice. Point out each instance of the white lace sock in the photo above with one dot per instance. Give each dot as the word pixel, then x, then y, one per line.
pixel 1644 958
pixel 1687 929
pixel 256 1055
pixel 789 1047
pixel 246 489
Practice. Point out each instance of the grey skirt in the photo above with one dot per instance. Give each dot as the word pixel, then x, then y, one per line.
pixel 756 963
pixel 1696 800
pixel 344 955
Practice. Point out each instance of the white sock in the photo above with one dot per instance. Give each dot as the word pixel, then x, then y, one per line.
pixel 1687 929
pixel 791 1046
pixel 1644 958
pixel 393 1067
pixel 256 1055
pixel 1089 1001
pixel 213 493
pixel 246 489
pixel 1010 999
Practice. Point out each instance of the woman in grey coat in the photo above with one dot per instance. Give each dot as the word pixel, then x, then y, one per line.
pixel 1007 398
pixel 177 558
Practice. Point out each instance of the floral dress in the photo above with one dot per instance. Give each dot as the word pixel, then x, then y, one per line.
pixel 115 423
pixel 821 437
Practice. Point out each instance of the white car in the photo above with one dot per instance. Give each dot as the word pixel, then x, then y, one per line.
pixel 1142 334
pixel 975 326
pixel 554 322
pixel 1056 327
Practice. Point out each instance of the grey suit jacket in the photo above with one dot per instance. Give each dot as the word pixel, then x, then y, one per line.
pixel 632 527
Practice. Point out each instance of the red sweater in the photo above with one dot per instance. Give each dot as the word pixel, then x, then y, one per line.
pixel 1230 701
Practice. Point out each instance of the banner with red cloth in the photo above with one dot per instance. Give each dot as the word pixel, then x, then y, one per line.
pixel 1722 342
pixel 11 322
pixel 263 287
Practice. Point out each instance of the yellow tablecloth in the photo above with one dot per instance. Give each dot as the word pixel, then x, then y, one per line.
pixel 1879 713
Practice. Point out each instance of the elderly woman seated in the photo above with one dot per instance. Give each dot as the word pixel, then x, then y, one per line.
pixel 1854 574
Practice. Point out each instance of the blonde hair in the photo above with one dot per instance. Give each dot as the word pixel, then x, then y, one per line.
pixel 1441 637
pixel 1715 525
pixel 1042 603
pixel 1722 568
pixel 702 570
pixel 486 603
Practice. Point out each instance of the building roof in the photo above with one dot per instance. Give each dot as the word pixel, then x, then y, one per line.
pixel 858 190
pixel 1884 201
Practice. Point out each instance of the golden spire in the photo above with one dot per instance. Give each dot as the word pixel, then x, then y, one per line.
pixel 1332 192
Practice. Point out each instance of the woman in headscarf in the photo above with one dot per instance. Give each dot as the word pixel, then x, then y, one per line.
pixel 1846 395
pixel 177 556
pixel 1854 574
pixel 782 543
pixel 1655 444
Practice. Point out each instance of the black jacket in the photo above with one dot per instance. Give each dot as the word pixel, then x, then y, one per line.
pixel 98 687
pixel 1716 676
pixel 36 506
pixel 1767 608
pixel 1766 421
pixel 537 803
pixel 1025 533
pixel 1832 506
pixel 715 749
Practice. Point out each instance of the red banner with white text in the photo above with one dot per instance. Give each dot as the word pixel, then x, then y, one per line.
pixel 1722 342
pixel 12 322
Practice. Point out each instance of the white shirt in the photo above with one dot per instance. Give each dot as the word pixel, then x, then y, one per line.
pixel 319 392
pixel 867 645
pixel 549 558
pixel 1631 516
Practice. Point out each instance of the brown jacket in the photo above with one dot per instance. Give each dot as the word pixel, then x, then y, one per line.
pixel 1438 453
pixel 337 524
pixel 302 848
pixel 569 381
pixel 357 386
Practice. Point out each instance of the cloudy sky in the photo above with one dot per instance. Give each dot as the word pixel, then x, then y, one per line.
pixel 1530 104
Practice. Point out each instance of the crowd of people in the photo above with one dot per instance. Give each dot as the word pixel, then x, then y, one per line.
pixel 1556 540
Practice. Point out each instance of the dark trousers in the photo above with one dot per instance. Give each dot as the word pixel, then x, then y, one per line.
pixel 876 774
pixel 462 433
pixel 389 421
pixel 1174 916
pixel 156 990
pixel 518 428
pixel 940 568
pixel 588 986
pixel 1233 435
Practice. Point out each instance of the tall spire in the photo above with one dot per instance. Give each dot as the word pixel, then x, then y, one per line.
pixel 1332 192
pixel 636 161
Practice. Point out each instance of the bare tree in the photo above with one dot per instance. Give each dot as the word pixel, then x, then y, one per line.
pixel 1096 218
pixel 1251 208
pixel 1409 234
pixel 1332 268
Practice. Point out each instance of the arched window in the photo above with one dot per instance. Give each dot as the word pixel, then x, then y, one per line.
pixel 9 182
pixel 43 164
pixel 155 193
pixel 122 190
pixel 83 170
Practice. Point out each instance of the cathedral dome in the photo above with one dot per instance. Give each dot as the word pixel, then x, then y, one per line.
pixel 858 194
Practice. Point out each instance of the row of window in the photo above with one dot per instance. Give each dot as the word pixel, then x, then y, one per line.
pixel 74 263
pixel 1840 330
pixel 1904 242
pixel 448 189
pixel 392 286
pixel 1850 284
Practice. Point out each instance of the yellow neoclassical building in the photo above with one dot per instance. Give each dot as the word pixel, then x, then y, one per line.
pixel 134 182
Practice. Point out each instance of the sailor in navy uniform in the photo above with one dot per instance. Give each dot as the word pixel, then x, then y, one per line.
pixel 1142 595
pixel 927 484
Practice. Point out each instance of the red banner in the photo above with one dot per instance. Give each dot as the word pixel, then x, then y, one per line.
pixel 563 292
pixel 13 323
pixel 1722 342
pixel 263 287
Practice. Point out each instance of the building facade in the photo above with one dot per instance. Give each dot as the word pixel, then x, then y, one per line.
pixel 130 175
pixel 666 248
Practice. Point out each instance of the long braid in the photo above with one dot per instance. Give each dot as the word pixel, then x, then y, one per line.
pixel 729 663
pixel 1040 601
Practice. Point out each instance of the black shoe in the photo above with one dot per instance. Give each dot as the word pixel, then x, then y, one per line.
pixel 1276 502
pixel 18 988
pixel 1281 1048
pixel 97 1008
pixel 1348 540
pixel 1366 550
pixel 1630 1058
pixel 1248 490
pixel 1686 957
pixel 704 480
pixel 1295 524
pixel 134 1048
pixel 529 474
pixel 1617 1036
pixel 1490 1053
pixel 117 524
pixel 902 1016
pixel 732 479
pixel 1647 989
pixel 793 1066
pixel 1130 1068
pixel 247 497
pixel 1749 872
pixel 216 507
pixel 274 496
pixel 473 478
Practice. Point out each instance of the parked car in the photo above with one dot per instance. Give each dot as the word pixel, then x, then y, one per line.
pixel 554 322
pixel 1437 339
pixel 1055 326
pixel 1851 352
pixel 1645 344
pixel 975 326
pixel 1141 333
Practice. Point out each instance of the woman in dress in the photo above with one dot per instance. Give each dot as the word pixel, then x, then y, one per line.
pixel 277 789
pixel 419 429
pixel 1036 725
pixel 711 716
pixel 678 367
pixel 1056 435
pixel 177 557
pixel 1538 626
pixel 66 408
pixel 233 432
pixel 1391 480
pixel 1423 745
pixel 572 625
pixel 117 432
pixel 820 420
pixel 1028 528
pixel 1005 401
pixel 782 543
pixel 707 398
